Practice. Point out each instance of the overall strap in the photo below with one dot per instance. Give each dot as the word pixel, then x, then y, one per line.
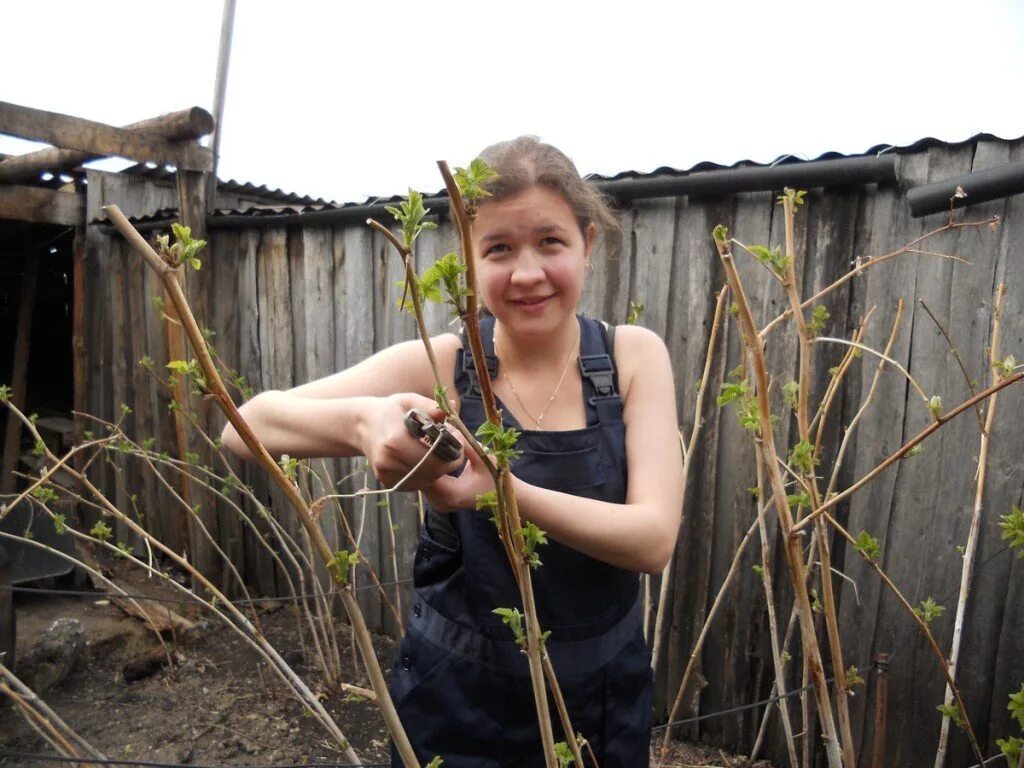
pixel 465 367
pixel 597 367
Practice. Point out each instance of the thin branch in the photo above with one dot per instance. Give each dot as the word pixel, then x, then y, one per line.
pixel 906 447
pixel 887 359
pixel 688 453
pixel 967 572
pixel 956 354
pixel 968 728
pixel 868 263
pixel 699 644
pixel 852 426
pixel 794 555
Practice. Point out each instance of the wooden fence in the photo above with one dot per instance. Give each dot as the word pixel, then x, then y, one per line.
pixel 292 304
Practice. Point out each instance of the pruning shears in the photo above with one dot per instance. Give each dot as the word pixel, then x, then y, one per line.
pixel 430 432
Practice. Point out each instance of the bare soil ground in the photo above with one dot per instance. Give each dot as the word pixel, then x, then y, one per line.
pixel 217 705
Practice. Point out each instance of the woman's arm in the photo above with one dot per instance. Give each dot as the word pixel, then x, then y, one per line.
pixel 352 412
pixel 641 533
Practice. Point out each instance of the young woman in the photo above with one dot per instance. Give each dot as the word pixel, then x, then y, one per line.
pixel 600 473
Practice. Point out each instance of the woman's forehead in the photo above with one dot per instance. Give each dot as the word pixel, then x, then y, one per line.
pixel 536 210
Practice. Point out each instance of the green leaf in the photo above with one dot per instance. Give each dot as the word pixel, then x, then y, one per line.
pixel 533 537
pixel 513 619
pixel 410 214
pixel 45 494
pixel 635 310
pixel 59 524
pixel 124 550
pixel 791 394
pixel 929 610
pixel 867 545
pixel 1006 366
pixel 795 196
pixel 487 501
pixel 819 318
pixel 952 711
pixel 437 762
pixel 773 258
pixel 732 391
pixel 499 442
pixel 1013 529
pixel 935 406
pixel 341 564
pixel 39 448
pixel 852 678
pixel 1011 748
pixel 721 234
pixel 441 398
pixel 5 393
pixel 749 416
pixel 101 531
pixel 1016 706
pixel 564 754
pixel 289 465
pixel 759 570
pixel 470 180
pixel 802 458
pixel 798 500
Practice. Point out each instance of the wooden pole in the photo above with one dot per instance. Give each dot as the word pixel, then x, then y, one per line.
pixel 69 132
pixel 227 25
pixel 184 125
pixel 78 357
pixel 19 379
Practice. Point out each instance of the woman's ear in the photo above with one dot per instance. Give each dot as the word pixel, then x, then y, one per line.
pixel 589 236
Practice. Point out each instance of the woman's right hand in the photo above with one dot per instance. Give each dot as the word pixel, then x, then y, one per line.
pixel 389 448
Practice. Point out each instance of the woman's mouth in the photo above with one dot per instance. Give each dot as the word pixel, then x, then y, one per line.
pixel 531 303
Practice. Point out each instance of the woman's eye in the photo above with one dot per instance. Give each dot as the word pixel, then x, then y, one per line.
pixel 550 241
pixel 496 249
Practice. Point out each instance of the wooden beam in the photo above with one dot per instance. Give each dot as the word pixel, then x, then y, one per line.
pixel 42 206
pixel 185 125
pixel 19 378
pixel 100 139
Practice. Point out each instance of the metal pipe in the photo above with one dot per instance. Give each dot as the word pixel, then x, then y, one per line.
pixel 843 172
pixel 227 25
pixel 848 171
pixel 980 186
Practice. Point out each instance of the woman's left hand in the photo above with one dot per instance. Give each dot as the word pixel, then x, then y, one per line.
pixel 448 493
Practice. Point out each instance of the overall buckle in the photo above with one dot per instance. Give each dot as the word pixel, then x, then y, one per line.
pixel 599 371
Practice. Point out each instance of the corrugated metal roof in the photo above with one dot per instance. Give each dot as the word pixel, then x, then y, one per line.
pixel 878 149
pixel 296 204
pixel 229 186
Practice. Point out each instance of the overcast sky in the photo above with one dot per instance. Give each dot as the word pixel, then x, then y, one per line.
pixel 347 100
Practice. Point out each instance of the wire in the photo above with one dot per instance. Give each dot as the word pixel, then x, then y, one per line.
pixel 147 764
pixel 253 601
pixel 744 707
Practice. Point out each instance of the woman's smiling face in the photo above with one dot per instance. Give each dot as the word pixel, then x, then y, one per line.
pixel 531 259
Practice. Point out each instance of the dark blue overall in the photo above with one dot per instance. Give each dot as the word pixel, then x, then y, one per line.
pixel 461 684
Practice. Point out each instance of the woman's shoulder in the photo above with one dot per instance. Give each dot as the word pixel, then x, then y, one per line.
pixel 638 349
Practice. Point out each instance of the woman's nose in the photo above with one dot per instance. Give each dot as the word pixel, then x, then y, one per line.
pixel 528 269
